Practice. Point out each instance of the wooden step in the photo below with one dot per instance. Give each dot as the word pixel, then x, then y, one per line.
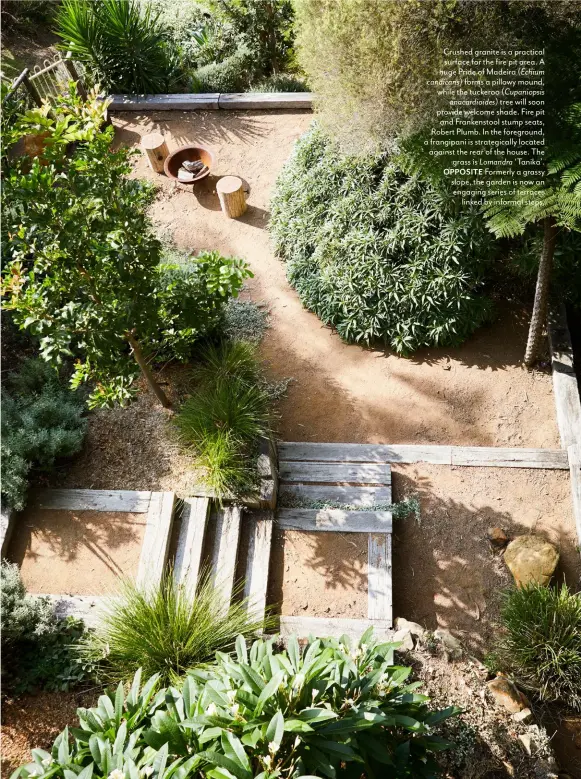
pixel 364 453
pixel 191 542
pixel 225 551
pixel 156 540
pixel 132 501
pixel 353 496
pixel 349 473
pixel 324 627
pixel 334 520
pixel 483 456
pixel 258 561
pixel 379 593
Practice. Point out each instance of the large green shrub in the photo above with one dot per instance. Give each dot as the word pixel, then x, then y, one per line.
pixel 166 630
pixel 38 650
pixel 82 265
pixel 233 74
pixel 541 641
pixel 121 44
pixel 327 710
pixel 42 421
pixel 223 419
pixel 377 254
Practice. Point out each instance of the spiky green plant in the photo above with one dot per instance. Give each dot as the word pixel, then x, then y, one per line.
pixel 225 416
pixel 120 42
pixel 166 630
pixel 541 644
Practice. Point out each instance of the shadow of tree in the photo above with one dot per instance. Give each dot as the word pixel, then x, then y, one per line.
pixel 51 538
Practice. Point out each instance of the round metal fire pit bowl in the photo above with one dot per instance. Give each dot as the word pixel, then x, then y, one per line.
pixel 174 162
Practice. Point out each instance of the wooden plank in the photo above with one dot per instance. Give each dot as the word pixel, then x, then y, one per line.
pixel 354 473
pixel 156 540
pixel 382 453
pixel 353 496
pixel 320 627
pixel 574 453
pixel 264 100
pixel 132 501
pixel 379 595
pixel 165 102
pixel 226 549
pixel 334 520
pixel 258 561
pixel 565 386
pixel 191 541
pixel 89 608
pixel 498 457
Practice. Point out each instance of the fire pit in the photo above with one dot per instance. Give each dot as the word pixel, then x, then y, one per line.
pixel 188 154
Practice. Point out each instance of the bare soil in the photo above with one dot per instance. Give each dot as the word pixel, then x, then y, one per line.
pixel 319 574
pixel 34 721
pixel 76 552
pixel 477 394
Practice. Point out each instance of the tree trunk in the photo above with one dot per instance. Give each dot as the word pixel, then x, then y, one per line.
pixel 146 370
pixel 539 315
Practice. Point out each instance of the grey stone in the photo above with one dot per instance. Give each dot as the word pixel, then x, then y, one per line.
pixel 405 637
pixel 452 646
pixel 412 627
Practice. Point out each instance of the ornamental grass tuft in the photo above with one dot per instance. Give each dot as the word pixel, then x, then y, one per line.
pixel 166 630
pixel 541 645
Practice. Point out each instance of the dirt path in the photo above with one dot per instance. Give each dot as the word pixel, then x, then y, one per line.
pixel 477 394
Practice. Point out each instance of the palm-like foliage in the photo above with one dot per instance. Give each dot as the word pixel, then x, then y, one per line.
pixel 120 42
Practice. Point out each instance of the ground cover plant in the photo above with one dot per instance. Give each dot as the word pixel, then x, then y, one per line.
pixel 83 270
pixel 42 422
pixel 327 710
pixel 166 630
pixel 378 254
pixel 541 641
pixel 38 650
pixel 224 418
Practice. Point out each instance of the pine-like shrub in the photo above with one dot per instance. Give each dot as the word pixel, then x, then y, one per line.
pixel 375 253
pixel 327 710
pixel 42 421
pixel 541 641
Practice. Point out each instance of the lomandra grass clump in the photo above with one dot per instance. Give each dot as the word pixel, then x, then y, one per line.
pixel 541 645
pixel 222 421
pixel 379 255
pixel 166 630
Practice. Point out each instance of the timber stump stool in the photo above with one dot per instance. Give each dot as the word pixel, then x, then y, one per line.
pixel 155 147
pixel 232 198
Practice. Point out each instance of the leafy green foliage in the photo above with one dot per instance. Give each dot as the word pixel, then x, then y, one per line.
pixel 82 265
pixel 265 28
pixel 225 416
pixel 233 74
pixel 120 43
pixel 192 296
pixel 42 421
pixel 167 630
pixel 327 710
pixel 541 642
pixel 375 253
pixel 38 650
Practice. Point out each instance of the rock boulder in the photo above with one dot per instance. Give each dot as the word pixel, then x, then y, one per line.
pixel 531 559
